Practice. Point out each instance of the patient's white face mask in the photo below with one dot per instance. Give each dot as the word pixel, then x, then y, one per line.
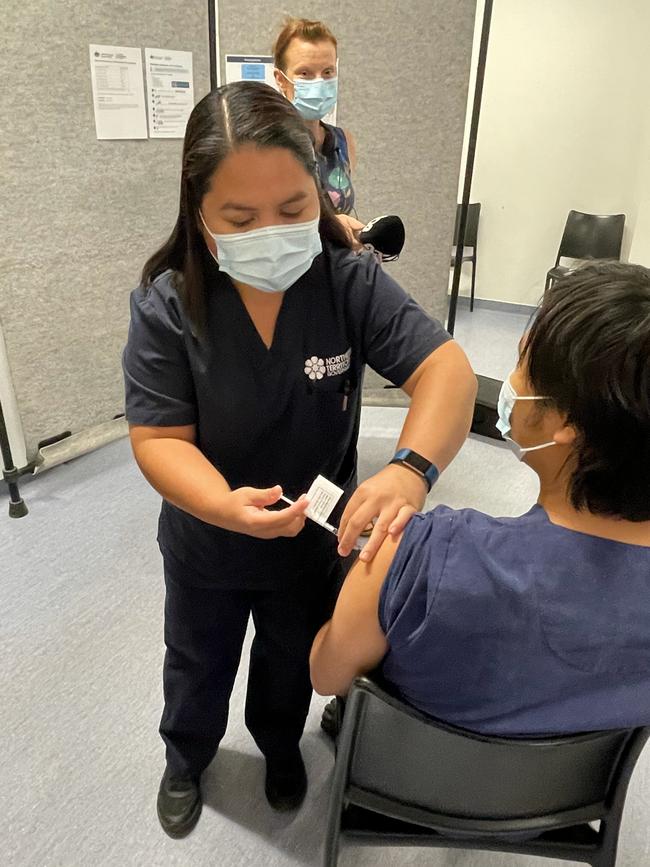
pixel 507 398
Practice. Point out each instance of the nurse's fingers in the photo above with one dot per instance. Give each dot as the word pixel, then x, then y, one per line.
pixel 355 502
pixel 262 496
pixel 250 516
pixel 295 527
pixel 379 533
pixel 286 517
pixel 285 522
pixel 403 517
pixel 350 529
pixel 270 527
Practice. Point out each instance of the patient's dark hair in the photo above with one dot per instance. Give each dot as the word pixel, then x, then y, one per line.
pixel 589 351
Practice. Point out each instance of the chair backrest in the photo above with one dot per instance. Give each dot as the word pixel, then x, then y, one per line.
pixel 471 226
pixel 403 757
pixel 592 236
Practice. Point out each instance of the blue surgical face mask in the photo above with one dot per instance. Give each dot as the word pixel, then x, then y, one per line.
pixel 270 259
pixel 507 398
pixel 314 98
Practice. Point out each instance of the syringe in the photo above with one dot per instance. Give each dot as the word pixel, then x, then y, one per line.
pixel 324 524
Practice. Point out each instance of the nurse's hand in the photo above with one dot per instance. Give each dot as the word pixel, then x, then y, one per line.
pixel 392 496
pixel 244 511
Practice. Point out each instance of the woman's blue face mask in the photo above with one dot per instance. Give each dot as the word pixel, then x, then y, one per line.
pixel 315 97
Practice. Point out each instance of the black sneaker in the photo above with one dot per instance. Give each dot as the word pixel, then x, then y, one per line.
pixel 286 782
pixel 179 804
pixel 332 718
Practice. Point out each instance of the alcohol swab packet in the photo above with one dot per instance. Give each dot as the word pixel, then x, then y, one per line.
pixel 323 496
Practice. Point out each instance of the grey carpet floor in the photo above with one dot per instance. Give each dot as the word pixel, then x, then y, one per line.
pixel 80 697
pixel 490 338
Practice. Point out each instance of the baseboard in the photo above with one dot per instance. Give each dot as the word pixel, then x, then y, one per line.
pixel 80 444
pixel 492 304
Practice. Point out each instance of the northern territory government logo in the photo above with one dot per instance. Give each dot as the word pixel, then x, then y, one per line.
pixel 335 365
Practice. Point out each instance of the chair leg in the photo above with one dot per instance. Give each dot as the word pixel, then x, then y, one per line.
pixel 607 855
pixel 332 838
pixel 471 300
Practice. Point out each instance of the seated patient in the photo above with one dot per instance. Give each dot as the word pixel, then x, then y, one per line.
pixel 538 624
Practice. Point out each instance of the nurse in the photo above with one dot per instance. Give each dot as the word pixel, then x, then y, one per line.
pixel 243 371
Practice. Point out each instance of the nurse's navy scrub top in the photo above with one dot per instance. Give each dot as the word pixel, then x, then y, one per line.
pixel 517 626
pixel 270 416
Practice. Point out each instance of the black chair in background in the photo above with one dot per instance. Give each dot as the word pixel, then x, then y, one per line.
pixel 469 243
pixel 588 236
pixel 403 779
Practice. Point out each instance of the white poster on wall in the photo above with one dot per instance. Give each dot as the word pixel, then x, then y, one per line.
pixel 170 91
pixel 118 92
pixel 258 67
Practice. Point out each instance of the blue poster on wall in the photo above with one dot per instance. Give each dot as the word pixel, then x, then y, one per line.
pixel 246 67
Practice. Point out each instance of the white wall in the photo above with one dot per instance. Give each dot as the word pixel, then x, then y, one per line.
pixel 640 246
pixel 561 127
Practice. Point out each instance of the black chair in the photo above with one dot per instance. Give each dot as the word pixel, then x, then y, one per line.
pixel 588 236
pixel 469 243
pixel 406 780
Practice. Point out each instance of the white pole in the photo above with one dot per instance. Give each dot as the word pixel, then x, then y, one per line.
pixel 9 404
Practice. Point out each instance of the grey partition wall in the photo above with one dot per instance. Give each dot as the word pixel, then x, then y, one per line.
pixel 80 216
pixel 404 71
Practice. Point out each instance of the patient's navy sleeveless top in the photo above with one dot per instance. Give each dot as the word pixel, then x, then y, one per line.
pixel 517 626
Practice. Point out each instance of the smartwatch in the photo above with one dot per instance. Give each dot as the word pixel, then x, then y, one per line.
pixel 427 471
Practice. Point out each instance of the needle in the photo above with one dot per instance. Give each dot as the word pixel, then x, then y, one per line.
pixel 324 524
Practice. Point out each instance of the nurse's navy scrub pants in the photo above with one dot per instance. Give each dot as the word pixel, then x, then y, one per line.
pixel 204 634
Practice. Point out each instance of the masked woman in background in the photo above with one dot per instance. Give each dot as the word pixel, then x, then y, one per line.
pixel 305 56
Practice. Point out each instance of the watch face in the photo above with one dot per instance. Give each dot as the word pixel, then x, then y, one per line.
pixel 418 462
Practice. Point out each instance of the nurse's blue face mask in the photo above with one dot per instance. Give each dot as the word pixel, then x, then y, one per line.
pixel 315 97
pixel 507 398
pixel 270 259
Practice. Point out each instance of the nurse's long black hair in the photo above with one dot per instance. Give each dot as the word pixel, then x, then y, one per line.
pixel 234 115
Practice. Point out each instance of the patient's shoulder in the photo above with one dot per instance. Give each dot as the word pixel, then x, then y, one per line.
pixel 462 544
pixel 454 554
pixel 446 522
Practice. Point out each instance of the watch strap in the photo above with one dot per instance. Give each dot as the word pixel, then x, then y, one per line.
pixel 413 461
